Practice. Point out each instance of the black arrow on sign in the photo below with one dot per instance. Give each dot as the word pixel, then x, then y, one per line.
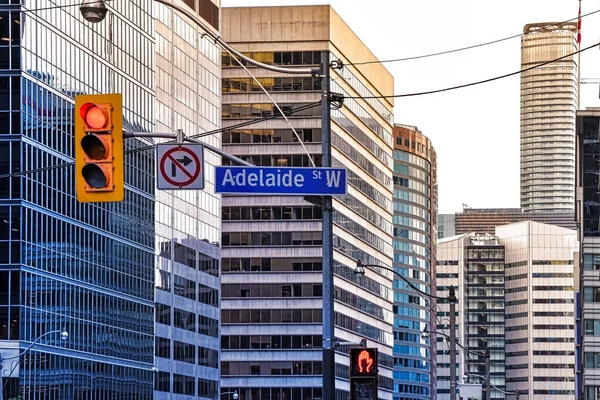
pixel 185 161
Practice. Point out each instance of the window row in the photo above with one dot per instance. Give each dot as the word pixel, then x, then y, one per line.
pixel 285 84
pixel 271 342
pixel 272 239
pixel 187 288
pixel 280 160
pixel 267 110
pixel 186 352
pixel 268 213
pixel 276 58
pixel 271 290
pixel 267 368
pixel 286 316
pixel 183 384
pixel 186 320
pixel 271 264
pixel 271 136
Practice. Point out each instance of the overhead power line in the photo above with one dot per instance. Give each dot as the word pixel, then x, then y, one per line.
pixel 477 82
pixel 474 46
pixel 150 147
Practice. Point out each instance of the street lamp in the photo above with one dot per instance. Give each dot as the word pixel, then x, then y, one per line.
pixel 234 395
pixel 485 354
pixel 360 271
pixel 516 394
pixel 64 335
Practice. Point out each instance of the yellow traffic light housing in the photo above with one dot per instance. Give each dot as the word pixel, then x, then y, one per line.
pixel 99 169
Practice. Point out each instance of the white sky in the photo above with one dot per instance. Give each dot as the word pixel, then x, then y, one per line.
pixel 475 130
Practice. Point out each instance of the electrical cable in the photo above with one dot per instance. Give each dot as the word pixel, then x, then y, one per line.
pixel 463 48
pixel 150 147
pixel 20 10
pixel 477 82
pixel 311 159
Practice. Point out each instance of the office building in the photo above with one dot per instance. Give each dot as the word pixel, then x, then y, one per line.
pixel 588 282
pixel 86 268
pixel 271 255
pixel 446 226
pixel 188 223
pixel 548 105
pixel 516 298
pixel 485 220
pixel 415 213
pixel 539 310
pixel 474 265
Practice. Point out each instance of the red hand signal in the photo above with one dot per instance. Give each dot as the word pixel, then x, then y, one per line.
pixel 365 362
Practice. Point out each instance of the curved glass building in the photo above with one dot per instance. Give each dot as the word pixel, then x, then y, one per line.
pixel 415 233
pixel 548 105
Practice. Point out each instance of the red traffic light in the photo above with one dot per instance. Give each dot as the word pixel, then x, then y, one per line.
pixel 95 116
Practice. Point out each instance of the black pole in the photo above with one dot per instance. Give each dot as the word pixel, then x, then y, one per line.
pixel 452 301
pixel 488 394
pixel 328 313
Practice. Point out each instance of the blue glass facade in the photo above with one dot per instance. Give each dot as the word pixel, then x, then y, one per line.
pixel 415 213
pixel 85 268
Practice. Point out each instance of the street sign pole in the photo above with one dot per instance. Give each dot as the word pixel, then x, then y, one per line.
pixel 327 227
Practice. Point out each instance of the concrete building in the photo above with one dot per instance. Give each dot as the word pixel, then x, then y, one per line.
pixel 516 297
pixel 588 205
pixel 474 264
pixel 485 220
pixel 86 268
pixel 446 226
pixel 271 255
pixel 539 310
pixel 548 105
pixel 188 223
pixel 415 226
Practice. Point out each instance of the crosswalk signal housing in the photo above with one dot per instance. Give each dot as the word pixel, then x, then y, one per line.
pixel 363 373
pixel 99 169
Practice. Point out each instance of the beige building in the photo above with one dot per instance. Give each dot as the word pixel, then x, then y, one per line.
pixel 548 105
pixel 539 310
pixel 271 253
pixel 516 295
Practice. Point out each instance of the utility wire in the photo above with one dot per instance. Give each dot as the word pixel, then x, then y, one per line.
pixel 462 48
pixel 477 82
pixel 150 147
pixel 15 8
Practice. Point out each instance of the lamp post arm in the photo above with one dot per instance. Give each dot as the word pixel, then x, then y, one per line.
pixel 457 343
pixel 413 287
pixel 32 344
pixel 234 393
pixel 218 40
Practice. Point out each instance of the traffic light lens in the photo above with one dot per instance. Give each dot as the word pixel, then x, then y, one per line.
pixel 95 117
pixel 94 176
pixel 94 147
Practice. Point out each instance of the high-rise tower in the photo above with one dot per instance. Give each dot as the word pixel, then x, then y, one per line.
pixel 415 236
pixel 548 105
pixel 271 255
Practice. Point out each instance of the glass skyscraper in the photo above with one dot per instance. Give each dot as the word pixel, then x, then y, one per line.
pixel 188 223
pixel 85 268
pixel 415 233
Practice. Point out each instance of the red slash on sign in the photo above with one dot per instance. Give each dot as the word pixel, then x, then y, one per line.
pixel 184 170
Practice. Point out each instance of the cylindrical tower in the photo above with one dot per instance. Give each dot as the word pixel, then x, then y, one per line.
pixel 415 234
pixel 548 105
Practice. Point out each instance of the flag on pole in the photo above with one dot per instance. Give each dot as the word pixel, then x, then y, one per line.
pixel 579 24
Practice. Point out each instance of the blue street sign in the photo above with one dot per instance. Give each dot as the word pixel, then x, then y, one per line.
pixel 281 181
